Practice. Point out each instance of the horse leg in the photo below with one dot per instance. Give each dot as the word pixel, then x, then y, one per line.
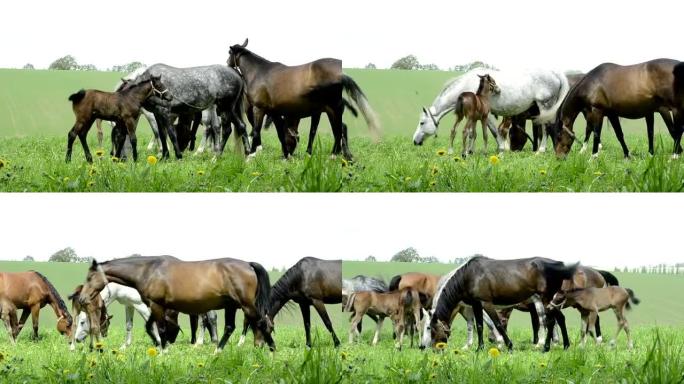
pixel 560 319
pixel 320 308
pixel 354 332
pixel 477 311
pixel 24 316
pixel 491 311
pixel 315 119
pixel 245 327
pixel 597 328
pixel 483 122
pixel 279 123
pixel 587 136
pixel 100 134
pixel 464 152
pixel 240 130
pixel 162 120
pixel 378 328
pixel 257 123
pixel 452 136
pixel 595 119
pixel 197 119
pixel 35 314
pixel 130 127
pixel 675 128
pixel 306 316
pixel 470 319
pixel 472 135
pixel 8 324
pixel 129 327
pixel 193 329
pixel 492 329
pixel 155 130
pixel 538 309
pixel 491 124
pixel 212 322
pixel 550 323
pixel 534 318
pixel 615 121
pixel 229 326
pixel 650 132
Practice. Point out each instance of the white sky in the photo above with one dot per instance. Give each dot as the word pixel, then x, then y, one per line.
pixel 602 230
pixel 577 34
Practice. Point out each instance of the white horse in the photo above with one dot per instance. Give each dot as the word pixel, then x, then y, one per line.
pixel 131 300
pixel 520 90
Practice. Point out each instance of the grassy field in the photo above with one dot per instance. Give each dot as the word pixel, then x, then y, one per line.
pixel 35 118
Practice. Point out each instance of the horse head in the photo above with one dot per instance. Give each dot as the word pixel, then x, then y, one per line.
pixel 234 53
pixel 159 89
pixel 96 280
pixel 427 126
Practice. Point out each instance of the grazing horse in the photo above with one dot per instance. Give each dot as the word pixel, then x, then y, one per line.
pixel 310 282
pixel 520 91
pixel 121 106
pixel 591 301
pixel 474 107
pixel 194 90
pixel 30 291
pixel 483 283
pixel 93 313
pixel 633 92
pixel 290 93
pixel 196 287
pixel 402 307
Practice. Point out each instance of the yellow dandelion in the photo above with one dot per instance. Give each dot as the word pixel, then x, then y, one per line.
pixel 65 372
pixel 494 352
pixel 542 365
pixel 435 363
pixel 200 173
pixel 115 159
pixel 200 365
pixel 344 163
pixel 99 345
pixel 65 180
pixel 99 153
pixel 115 352
pixel 441 345
pixel 91 184
pixel 457 158
pixel 2 163
pixel 343 355
pixel 256 174
pixel 92 363
pixel 494 160
pixel 433 376
pixel 542 172
pixel 434 170
pixel 91 376
pixel 92 171
pixel 441 152
pixel 457 352
pixel 256 366
pixel 152 352
pixel 151 160
pixel 433 183
pixel 598 173
pixel 407 371
pixel 407 179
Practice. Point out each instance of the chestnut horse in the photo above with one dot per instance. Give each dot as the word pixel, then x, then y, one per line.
pixel 122 107
pixel 290 93
pixel 31 291
pixel 424 283
pixel 96 315
pixel 632 91
pixel 310 282
pixel 194 287
pixel 8 314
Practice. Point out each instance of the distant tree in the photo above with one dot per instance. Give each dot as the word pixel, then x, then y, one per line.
pixel 371 258
pixel 87 67
pixel 370 66
pixel 473 65
pixel 430 259
pixel 29 66
pixel 66 255
pixel 429 67
pixel 408 255
pixel 407 62
pixel 128 68
pixel 29 258
pixel 66 63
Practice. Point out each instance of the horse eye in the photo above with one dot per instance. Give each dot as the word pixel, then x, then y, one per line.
pixel 422 122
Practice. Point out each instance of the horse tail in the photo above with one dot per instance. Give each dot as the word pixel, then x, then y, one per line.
pixel 78 96
pixel 547 115
pixel 394 283
pixel 408 298
pixel 609 278
pixel 632 297
pixel 678 73
pixel 350 303
pixel 350 107
pixel 357 95
pixel 56 297
pixel 263 292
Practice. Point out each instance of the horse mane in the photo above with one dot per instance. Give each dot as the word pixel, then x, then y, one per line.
pixel 57 297
pixel 451 294
pixel 281 289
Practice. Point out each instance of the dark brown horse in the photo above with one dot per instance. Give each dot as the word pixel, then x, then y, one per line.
pixel 194 288
pixel 122 107
pixel 290 93
pixel 483 283
pixel 31 291
pixel 633 91
pixel 474 107
pixel 310 282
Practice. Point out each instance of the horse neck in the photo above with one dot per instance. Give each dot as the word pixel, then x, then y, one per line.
pixel 120 273
pixel 54 303
pixel 484 91
pixel 140 92
pixel 250 64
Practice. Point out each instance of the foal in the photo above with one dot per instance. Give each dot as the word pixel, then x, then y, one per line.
pixel 8 314
pixel 122 107
pixel 591 301
pixel 475 107
pixel 399 306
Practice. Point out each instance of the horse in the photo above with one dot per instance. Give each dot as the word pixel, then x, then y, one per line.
pixel 483 283
pixel 8 314
pixel 30 291
pixel 631 91
pixel 194 90
pixel 402 307
pixel 94 313
pixel 122 106
pixel 290 93
pixel 591 301
pixel 519 92
pixel 165 282
pixel 310 282
pixel 360 283
pixel 424 283
pixel 475 107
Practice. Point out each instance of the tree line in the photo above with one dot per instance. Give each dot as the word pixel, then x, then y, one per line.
pixel 69 63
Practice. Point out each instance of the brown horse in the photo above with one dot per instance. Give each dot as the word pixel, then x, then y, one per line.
pixel 474 107
pixel 591 301
pixel 122 107
pixel 402 307
pixel 423 283
pixel 96 315
pixel 196 287
pixel 290 93
pixel 31 291
pixel 633 91
pixel 310 282
pixel 8 314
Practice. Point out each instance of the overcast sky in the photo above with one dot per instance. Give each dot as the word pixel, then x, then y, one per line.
pixel 577 34
pixel 602 230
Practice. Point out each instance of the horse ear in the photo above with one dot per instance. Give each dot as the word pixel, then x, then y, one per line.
pixel 425 110
pixel 245 43
pixel 480 76
pixel 110 317
pixel 93 266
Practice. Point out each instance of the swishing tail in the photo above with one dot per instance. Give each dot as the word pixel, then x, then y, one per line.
pixel 78 96
pixel 357 95
pixel 263 293
pixel 632 298
pixel 350 107
pixel 548 115
pixel 394 283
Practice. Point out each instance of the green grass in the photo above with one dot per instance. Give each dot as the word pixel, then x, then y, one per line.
pixel 35 118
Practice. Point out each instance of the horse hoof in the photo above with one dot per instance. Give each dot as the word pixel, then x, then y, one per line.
pixel 217 351
pixel 675 156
